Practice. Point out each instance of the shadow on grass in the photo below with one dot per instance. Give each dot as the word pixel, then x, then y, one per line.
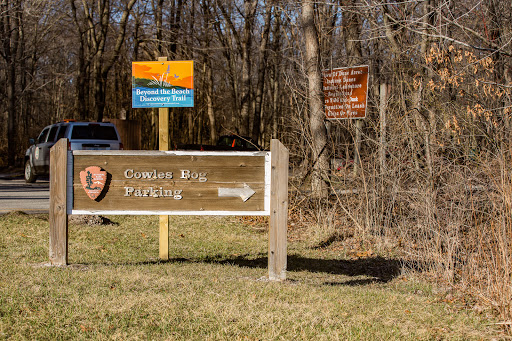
pixel 378 268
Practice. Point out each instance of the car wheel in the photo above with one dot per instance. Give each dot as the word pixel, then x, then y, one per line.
pixel 30 176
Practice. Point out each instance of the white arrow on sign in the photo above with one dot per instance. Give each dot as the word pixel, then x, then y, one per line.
pixel 244 193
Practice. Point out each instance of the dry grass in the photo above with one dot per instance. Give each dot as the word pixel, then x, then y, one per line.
pixel 213 288
pixel 455 226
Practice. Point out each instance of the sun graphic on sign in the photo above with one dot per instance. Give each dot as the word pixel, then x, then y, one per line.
pixel 165 74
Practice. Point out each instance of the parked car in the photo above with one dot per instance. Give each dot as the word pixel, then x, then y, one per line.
pixel 235 142
pixel 80 135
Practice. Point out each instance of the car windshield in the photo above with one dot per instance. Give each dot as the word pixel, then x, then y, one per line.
pixel 93 132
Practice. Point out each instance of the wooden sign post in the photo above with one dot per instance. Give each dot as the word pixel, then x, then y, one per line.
pixel 163 84
pixel 170 183
pixel 58 214
pixel 163 144
pixel 278 212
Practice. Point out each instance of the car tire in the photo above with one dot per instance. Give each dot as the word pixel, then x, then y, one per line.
pixel 30 176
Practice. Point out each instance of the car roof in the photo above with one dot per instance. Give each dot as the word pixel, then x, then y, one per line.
pixel 79 123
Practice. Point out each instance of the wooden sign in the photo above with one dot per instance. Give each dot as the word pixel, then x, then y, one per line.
pixel 345 92
pixel 174 183
pixel 170 183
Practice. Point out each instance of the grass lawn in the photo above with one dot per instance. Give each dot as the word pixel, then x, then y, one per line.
pixel 214 287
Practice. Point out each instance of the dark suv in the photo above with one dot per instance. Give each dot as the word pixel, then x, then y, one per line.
pixel 80 135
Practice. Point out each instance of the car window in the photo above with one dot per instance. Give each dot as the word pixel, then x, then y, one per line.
pixel 93 132
pixel 62 132
pixel 52 133
pixel 42 137
pixel 225 141
pixel 237 142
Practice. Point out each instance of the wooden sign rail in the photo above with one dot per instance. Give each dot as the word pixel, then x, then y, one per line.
pixel 170 183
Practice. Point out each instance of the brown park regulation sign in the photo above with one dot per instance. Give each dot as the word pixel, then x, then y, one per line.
pixel 345 92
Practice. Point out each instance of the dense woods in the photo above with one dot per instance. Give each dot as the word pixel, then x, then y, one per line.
pixel 431 163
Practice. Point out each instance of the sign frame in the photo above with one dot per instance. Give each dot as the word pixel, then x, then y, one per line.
pixel 169 154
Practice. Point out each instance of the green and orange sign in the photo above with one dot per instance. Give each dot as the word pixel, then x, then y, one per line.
pixel 161 84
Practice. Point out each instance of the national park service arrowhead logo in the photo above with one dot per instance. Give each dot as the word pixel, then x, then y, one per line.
pixel 93 181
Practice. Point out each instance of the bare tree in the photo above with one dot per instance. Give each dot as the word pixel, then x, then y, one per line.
pixel 10 29
pixel 315 99
pixel 243 42
pixel 208 68
pixel 94 25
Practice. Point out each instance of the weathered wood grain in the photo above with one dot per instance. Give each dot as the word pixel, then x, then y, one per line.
pixel 197 194
pixel 277 253
pixel 163 143
pixel 58 217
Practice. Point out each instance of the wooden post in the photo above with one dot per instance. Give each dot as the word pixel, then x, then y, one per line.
pixel 163 143
pixel 58 203
pixel 382 118
pixel 278 212
pixel 357 145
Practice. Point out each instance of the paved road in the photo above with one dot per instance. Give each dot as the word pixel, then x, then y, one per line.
pixel 16 195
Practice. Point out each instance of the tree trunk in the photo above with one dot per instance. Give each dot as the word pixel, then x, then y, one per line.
pixel 263 54
pixel 422 122
pixel 209 102
pixel 175 24
pixel 10 22
pixel 12 135
pixel 246 43
pixel 208 71
pixel 316 101
pixel 383 107
pixel 275 88
pixel 158 10
pixel 351 37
